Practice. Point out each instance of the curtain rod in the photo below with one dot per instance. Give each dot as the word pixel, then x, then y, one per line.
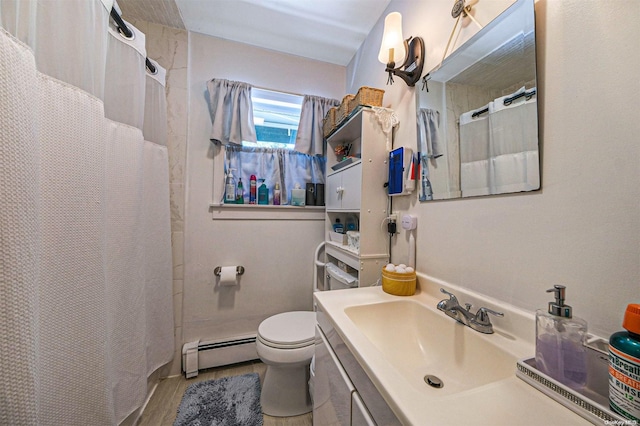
pixel 507 101
pixel 126 32
pixel 277 90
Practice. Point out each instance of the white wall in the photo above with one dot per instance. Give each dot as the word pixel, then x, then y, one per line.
pixel 276 252
pixel 583 228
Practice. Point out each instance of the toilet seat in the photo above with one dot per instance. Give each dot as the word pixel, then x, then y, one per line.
pixel 289 330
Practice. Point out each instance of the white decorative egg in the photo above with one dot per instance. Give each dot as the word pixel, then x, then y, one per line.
pixel 409 269
pixel 400 270
pixel 402 265
pixel 390 267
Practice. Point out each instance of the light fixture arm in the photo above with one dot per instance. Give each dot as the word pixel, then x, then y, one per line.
pixel 411 70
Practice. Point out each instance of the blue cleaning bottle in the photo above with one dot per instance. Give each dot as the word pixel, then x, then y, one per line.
pixel 263 193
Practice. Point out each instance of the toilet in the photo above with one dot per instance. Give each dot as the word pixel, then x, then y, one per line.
pixel 285 343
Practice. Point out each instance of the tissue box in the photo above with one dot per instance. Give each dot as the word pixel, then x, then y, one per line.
pixel 353 240
pixel 298 197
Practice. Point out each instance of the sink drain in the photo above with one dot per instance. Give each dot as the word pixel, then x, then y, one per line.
pixel 433 381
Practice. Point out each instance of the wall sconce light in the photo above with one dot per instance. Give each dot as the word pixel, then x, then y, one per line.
pixel 395 49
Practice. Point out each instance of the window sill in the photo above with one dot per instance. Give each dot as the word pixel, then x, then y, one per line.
pixel 265 212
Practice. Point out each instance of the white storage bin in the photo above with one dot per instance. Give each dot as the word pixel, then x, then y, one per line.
pixel 337 237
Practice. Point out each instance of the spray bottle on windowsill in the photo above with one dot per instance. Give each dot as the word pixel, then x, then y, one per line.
pixel 276 195
pixel 252 189
pixel 240 192
pixel 230 188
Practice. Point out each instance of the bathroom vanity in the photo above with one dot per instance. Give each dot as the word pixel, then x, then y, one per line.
pixel 402 361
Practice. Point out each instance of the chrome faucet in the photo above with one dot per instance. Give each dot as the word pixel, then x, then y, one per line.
pixel 479 321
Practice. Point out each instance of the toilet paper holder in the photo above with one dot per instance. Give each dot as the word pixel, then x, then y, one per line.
pixel 218 270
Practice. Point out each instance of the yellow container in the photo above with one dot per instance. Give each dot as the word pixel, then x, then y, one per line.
pixel 399 284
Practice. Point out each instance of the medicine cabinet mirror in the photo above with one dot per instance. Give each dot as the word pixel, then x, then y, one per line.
pixel 478 120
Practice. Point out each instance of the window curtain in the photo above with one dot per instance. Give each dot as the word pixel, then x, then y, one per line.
pixel 231 112
pixel 282 166
pixel 310 137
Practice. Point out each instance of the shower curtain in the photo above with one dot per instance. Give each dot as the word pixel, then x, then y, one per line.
pixel 85 278
pixel 499 147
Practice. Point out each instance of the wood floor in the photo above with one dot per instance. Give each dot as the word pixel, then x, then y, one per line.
pixel 163 405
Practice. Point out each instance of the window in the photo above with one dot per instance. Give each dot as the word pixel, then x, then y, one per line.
pixel 276 116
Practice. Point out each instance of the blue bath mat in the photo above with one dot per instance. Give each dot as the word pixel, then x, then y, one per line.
pixel 230 401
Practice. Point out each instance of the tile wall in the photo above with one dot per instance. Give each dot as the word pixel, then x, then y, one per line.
pixel 168 46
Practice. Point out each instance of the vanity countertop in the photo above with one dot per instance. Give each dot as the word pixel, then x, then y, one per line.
pixel 507 401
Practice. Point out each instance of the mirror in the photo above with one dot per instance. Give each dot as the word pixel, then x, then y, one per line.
pixel 478 117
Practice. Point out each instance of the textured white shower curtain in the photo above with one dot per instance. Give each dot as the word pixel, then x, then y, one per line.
pixel 474 154
pixel 155 106
pixel 124 85
pixel 499 149
pixel 85 285
pixel 19 235
pixel 68 38
pixel 514 149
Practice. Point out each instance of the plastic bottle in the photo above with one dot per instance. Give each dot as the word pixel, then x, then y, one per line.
pixel 263 193
pixel 276 195
pixel 230 188
pixel 297 196
pixel 239 192
pixel 624 366
pixel 338 227
pixel 252 189
pixel 560 338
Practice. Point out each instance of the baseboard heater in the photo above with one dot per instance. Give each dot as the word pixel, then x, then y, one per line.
pixel 199 355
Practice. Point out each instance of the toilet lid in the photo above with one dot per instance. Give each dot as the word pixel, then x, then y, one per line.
pixel 290 329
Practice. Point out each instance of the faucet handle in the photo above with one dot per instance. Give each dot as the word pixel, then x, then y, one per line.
pixel 482 316
pixel 452 296
pixel 447 304
pixel 468 306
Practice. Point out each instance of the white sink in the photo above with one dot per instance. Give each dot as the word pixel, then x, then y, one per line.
pixel 417 341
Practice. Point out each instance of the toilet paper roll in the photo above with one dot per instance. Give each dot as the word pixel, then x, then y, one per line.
pixel 228 275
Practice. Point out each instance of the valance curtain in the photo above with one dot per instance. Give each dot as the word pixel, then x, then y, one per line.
pixel 86 280
pixel 231 112
pixel 282 166
pixel 497 156
pixel 310 136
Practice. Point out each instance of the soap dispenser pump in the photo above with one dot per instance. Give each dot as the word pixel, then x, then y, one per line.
pixel 560 338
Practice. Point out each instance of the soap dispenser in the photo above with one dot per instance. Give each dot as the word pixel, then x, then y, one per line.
pixel 560 338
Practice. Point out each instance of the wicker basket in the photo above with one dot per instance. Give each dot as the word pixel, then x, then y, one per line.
pixel 367 96
pixel 345 108
pixel 399 284
pixel 329 121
